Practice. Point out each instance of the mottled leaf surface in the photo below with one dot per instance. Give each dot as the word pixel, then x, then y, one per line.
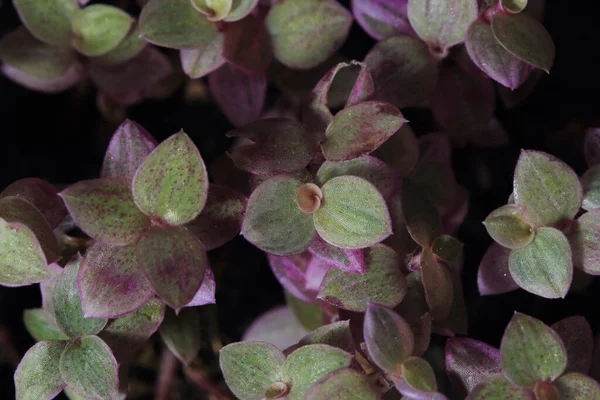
pixel 37 377
pixel 201 61
pixel 590 181
pixel 49 21
pixel 437 282
pixel 470 362
pixel 22 261
pixel 278 327
pixel 336 334
pixel 577 387
pixel 39 328
pixel 497 387
pixel 345 259
pixel 247 44
pixel 422 218
pixel 345 384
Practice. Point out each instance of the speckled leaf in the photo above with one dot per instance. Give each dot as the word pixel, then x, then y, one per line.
pixel 344 384
pixel 382 18
pixel 584 240
pixel 422 218
pixel 577 387
pixel 90 369
pixel 273 146
pixel 590 181
pixel 309 364
pixel 591 147
pixel 47 288
pixel 546 188
pixel 278 327
pixel 127 49
pixel 213 10
pixel 99 28
pixel 353 214
pixel 493 276
pixel 49 21
pixel 127 150
pixel 531 352
pixel 389 338
pixel 126 334
pixel 181 333
pixel 111 282
pixel 174 262
pixel 400 151
pixel 336 334
pixel 240 9
pixel 39 328
pixel 201 61
pixel 545 266
pixel 307 32
pixel 508 228
pixel 381 283
pixel 249 368
pixel 526 38
pixel 416 379
pixel 430 20
pixel 470 362
pixel 175 24
pixel 273 221
pixel 37 377
pixel 576 334
pixel 347 260
pixel 496 387
pixel 247 44
pixel 437 282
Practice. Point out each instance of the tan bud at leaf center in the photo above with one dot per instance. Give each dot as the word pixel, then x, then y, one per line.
pixel 546 391
pixel 308 198
pixel 277 390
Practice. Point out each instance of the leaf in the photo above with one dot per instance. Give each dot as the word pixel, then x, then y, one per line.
pixel 175 24
pixel 105 210
pixel 590 181
pixel 273 221
pixel 305 33
pixel 508 228
pixel 493 276
pixel 470 362
pixel 577 387
pixel 90 369
pixel 247 44
pixel 37 377
pixel 388 337
pixel 437 283
pixel 400 151
pixel 416 379
pixel 336 334
pixel 291 272
pixel 531 352
pixel 310 315
pixel 346 260
pixel 447 248
pixel 47 288
pixel 174 262
pixel 381 283
pixel 240 9
pixel 110 281
pixel 591 147
pixel 206 293
pixel 583 240
pixel 545 266
pixel 404 71
pixel 277 326
pixel 239 95
pixel 526 38
pixel 214 10
pixel 275 146
pixel 126 50
pixel 422 332
pixel 546 188
pixel 249 368
pixel 49 21
pixel 127 150
pixel 576 334
pixel 39 328
pixel 45 85
pixel 181 333
pixel 429 19
pixel 172 182
pixel 344 384
pixel 126 334
pixel 67 304
pixel 382 19
pixel 99 28
pixel 201 61
pixel 422 218
pixel 497 387
pixel 513 6
pixel 309 364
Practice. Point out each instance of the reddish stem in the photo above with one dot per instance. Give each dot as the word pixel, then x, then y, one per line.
pixel 168 367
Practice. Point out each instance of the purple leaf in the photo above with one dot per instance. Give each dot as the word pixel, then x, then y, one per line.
pixel 437 282
pixel 576 334
pixel 383 18
pixel 181 333
pixel 584 241
pixel 315 273
pixel 201 61
pixel 470 362
pixel 400 151
pixel 206 293
pixel 591 147
pixel 436 180
pixel 513 98
pixel 493 134
pixel 127 150
pixel 347 260
pixel 110 281
pixel 435 148
pixel 247 44
pixel 493 276
pixel 422 332
pixel 239 95
pixel 174 262
pixel 278 326
pixel 291 273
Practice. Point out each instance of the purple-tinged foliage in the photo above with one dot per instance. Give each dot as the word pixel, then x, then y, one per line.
pixel 201 61
pixel 278 327
pixel 576 334
pixel 470 362
pixel 347 260
pixel 493 276
pixel 247 45
pixel 383 18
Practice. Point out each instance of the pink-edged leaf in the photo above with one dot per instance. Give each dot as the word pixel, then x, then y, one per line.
pixel 382 18
pixel 274 146
pixel 508 228
pixel 347 260
pixel 415 379
pixel 247 44
pixel 39 327
pixel 279 326
pixel 181 333
pixel 513 98
pixel 291 273
pixel 336 334
pixel 174 262
pixel 400 151
pixel 456 214
pixel 343 384
pixel 389 338
pixel 37 376
pixel 498 388
pixel 577 387
pixel 492 58
pixel 105 210
pixel 127 150
pixel 403 70
pixel 47 288
pixel 239 95
pixel 470 362
pixel 201 61
pixel 591 147
pixel 493 276
pixel 437 282
pixel 315 273
pixel 130 82
pixel 46 85
pixel 584 241
pixel 590 181
pixel 576 334
pixel 220 219
pixel 111 282
pixel 206 294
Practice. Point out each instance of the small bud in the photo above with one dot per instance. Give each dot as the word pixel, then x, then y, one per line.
pixel 277 390
pixel 546 391
pixel 309 198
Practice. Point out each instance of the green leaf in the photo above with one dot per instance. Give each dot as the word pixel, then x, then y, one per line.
pixel 90 369
pixel 591 188
pixel 67 303
pixel 526 38
pixel 214 10
pixel 309 315
pixel 71 395
pixel 49 21
pixel 546 188
pixel 105 210
pixel 381 283
pixel 447 247
pixel 305 33
pixel 437 282
pixel 249 368
pixel 175 24
pixel 309 364
pixel 240 9
pixel 353 214
pixel 422 218
pixel 39 328
pixel 172 183
pixel 507 227
pixel 496 387
pixel 181 333
pixel 127 49
pixel 418 375
pixel 545 266
pixel 37 377
pixel 99 28
pixel 273 221
pixel 514 6
pixel 344 384
pixel 577 387
pixel 531 352
pixel 584 239
pixel 201 61
pixel 336 334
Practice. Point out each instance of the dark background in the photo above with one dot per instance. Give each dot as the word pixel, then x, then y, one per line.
pixel 62 138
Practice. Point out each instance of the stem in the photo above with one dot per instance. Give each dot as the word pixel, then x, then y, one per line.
pixel 198 377
pixel 168 367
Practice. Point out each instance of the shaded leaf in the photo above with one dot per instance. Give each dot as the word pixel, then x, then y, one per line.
pixel 493 276
pixel 45 85
pixel 584 242
pixel 422 332
pixel 278 326
pixel 310 315
pixel 382 18
pixel 37 377
pixel 437 282
pixel 291 272
pixel 400 151
pixel 508 228
pixel 347 260
pixel 49 21
pixel 591 147
pixel 99 28
pixel 247 44
pixel 47 287
pixel 577 387
pixel 336 334
pixel 206 293
pixel 181 333
pixel 470 362
pixel 127 49
pixel 576 334
pixel 240 9
pixel 201 61
pixel 22 261
pixel 497 387
pixel 447 248
pixel 513 6
pixel 590 181
pixel 416 379
pixel 344 384
pixel 422 218
pixel 39 328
